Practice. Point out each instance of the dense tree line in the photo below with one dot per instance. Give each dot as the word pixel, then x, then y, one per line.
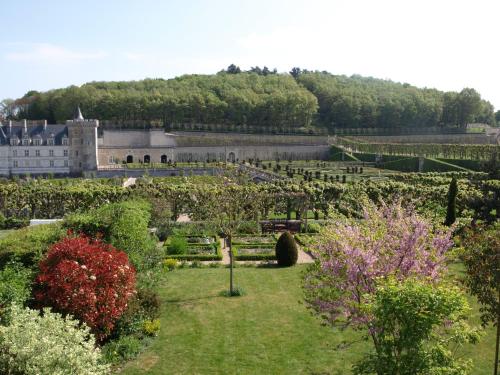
pixel 259 97
pixel 224 98
pixel 356 101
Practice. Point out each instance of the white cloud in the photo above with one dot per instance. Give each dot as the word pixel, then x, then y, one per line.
pixel 50 53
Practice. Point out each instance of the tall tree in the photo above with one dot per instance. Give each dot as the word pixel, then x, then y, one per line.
pixel 482 263
pixel 451 210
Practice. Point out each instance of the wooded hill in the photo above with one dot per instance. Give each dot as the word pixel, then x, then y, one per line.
pixel 260 98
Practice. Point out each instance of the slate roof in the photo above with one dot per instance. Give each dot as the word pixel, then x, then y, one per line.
pixel 34 131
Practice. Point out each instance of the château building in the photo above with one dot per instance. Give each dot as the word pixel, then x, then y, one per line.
pixel 76 147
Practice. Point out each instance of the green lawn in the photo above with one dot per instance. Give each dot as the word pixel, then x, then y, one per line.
pixel 267 331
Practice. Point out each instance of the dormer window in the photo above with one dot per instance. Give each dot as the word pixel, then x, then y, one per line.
pixel 26 141
pixel 37 141
pixel 50 141
pixel 14 141
pixel 65 141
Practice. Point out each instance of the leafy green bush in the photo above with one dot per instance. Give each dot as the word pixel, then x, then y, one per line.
pixel 15 285
pixel 249 227
pixel 47 344
pixel 28 245
pixel 144 306
pixel 122 349
pixel 177 246
pixel 311 228
pixel 286 250
pixel 124 225
pixel 417 325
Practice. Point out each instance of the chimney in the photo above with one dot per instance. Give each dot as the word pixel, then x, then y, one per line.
pixel 44 125
pixel 25 125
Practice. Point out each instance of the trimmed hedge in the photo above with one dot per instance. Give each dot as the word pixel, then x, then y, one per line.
pixel 286 250
pixel 433 165
pixel 402 165
pixel 474 165
pixel 255 257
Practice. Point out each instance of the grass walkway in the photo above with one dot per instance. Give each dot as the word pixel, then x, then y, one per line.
pixel 267 331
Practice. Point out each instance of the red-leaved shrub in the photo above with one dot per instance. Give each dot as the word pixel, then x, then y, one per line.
pixel 88 279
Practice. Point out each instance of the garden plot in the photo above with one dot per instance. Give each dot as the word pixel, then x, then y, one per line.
pixel 254 247
pixel 191 248
pixel 328 171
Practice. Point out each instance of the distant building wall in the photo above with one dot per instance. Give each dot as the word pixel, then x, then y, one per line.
pixel 118 155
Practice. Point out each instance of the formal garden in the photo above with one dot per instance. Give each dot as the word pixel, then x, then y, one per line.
pixel 382 273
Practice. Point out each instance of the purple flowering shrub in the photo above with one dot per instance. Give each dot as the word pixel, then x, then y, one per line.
pixel 352 256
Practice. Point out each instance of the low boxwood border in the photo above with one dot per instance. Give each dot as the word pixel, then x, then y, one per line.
pixel 255 257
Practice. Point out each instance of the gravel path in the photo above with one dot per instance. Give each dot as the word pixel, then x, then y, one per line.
pixel 129 182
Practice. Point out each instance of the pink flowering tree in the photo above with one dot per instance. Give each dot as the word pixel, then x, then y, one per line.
pixel 354 256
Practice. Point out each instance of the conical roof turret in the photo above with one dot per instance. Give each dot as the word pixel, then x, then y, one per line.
pixel 78 114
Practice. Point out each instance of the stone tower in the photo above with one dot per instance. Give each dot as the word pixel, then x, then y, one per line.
pixel 82 136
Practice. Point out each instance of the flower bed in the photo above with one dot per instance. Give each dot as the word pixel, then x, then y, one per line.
pixel 198 251
pixel 254 252
pixel 245 240
pixel 200 240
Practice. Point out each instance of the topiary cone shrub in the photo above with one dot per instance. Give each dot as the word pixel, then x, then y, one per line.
pixel 286 250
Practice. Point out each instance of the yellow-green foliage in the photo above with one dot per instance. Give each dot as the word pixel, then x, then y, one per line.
pixel 151 327
pixel 170 264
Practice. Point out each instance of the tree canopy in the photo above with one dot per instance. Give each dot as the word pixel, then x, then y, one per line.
pixel 259 97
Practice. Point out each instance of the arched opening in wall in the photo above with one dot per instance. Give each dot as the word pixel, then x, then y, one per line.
pixel 231 157
pixel 147 159
pixel 130 159
pixel 163 159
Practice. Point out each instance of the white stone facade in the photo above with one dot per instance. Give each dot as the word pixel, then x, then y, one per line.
pixel 75 148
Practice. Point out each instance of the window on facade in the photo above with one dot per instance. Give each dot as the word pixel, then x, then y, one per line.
pixel 51 152
pixel 65 163
pixel 14 153
pixel 65 152
pixel 111 159
pixel 16 164
pixel 26 152
pixel 51 163
pixel 37 152
pixel 76 153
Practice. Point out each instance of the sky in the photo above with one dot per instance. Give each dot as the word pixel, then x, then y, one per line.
pixel 443 44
